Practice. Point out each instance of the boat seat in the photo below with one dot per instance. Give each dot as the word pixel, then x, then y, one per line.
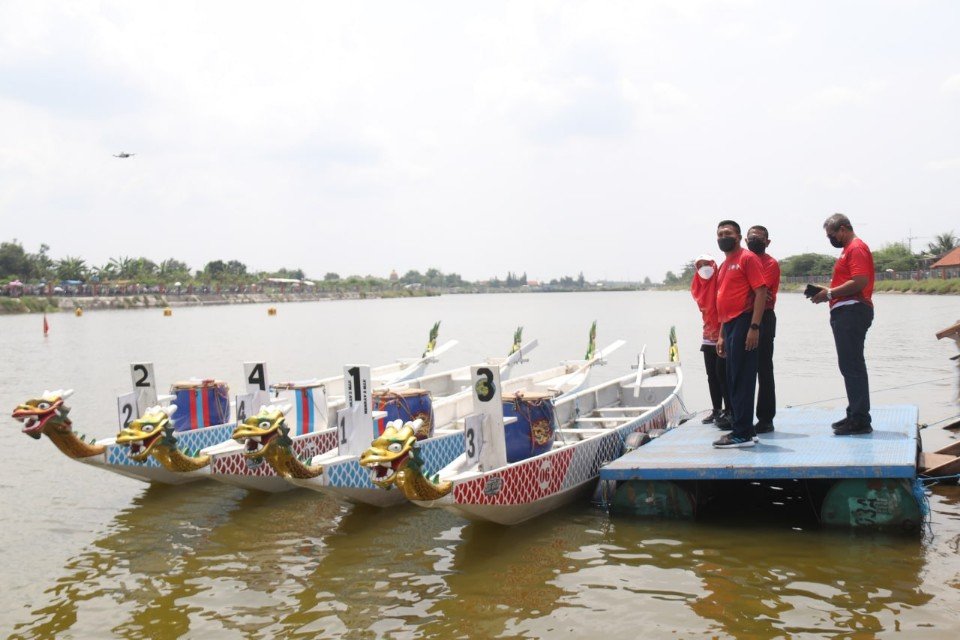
pixel 607 419
pixel 623 409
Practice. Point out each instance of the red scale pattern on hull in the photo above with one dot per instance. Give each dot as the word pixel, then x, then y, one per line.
pixel 523 483
pixel 236 464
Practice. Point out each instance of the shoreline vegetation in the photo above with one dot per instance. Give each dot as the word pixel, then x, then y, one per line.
pixel 56 304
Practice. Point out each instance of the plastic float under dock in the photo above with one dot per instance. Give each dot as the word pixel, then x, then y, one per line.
pixel 868 480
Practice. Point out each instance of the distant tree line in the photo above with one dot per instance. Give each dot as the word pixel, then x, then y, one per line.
pixel 896 256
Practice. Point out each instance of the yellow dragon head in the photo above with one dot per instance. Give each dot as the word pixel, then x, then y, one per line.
pixel 44 414
pixel 258 433
pixel 391 451
pixel 143 434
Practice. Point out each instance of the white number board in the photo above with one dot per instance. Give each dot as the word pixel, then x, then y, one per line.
pixel 487 402
pixel 257 385
pixel 127 409
pixel 472 437
pixel 245 406
pixel 355 423
pixel 144 384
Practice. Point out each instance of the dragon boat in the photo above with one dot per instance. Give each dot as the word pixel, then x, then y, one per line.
pixel 438 431
pixel 240 460
pixel 546 454
pixel 169 446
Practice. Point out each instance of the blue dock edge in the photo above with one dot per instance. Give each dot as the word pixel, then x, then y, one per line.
pixel 802 446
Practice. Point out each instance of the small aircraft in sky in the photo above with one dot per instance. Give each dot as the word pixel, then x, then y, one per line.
pixel 123 154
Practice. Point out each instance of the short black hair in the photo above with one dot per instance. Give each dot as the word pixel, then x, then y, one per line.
pixel 836 221
pixel 729 223
pixel 760 227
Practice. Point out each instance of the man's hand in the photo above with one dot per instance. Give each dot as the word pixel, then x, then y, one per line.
pixel 821 296
pixel 720 348
pixel 753 338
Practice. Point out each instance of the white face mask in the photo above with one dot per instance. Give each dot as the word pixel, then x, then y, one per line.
pixel 706 272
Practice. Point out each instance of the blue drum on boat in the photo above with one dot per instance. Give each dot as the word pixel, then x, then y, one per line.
pixel 532 433
pixel 200 403
pixel 406 405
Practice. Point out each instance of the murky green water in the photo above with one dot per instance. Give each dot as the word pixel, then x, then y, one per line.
pixel 92 554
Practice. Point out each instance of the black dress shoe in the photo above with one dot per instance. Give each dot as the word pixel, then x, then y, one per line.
pixel 852 429
pixel 840 423
pixel 711 418
pixel 763 427
pixel 723 422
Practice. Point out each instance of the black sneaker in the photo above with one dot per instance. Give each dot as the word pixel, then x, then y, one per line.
pixel 731 441
pixel 842 422
pixel 763 427
pixel 711 418
pixel 852 429
pixel 723 422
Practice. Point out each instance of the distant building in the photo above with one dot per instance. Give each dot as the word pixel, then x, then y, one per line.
pixel 393 276
pixel 949 264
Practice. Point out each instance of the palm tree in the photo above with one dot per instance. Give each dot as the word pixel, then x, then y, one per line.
pixel 943 243
pixel 71 268
pixel 122 266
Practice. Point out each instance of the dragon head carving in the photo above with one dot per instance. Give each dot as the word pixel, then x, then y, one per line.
pixel 258 433
pixel 144 434
pixel 47 414
pixel 44 413
pixel 394 459
pixel 388 452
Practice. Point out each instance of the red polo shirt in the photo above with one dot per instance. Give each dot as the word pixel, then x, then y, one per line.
pixel 771 277
pixel 856 260
pixel 740 275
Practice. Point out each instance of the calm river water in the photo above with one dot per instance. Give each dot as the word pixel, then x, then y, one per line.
pixel 90 554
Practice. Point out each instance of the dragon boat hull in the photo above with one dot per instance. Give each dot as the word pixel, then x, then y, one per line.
pixel 522 490
pixel 345 478
pixel 116 458
pixel 230 466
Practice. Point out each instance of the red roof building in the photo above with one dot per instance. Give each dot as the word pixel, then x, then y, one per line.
pixel 949 261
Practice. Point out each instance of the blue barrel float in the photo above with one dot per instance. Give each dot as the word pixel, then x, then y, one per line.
pixel 532 433
pixel 406 405
pixel 200 403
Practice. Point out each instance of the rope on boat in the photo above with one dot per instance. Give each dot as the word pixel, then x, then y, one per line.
pixel 931 424
pixel 872 391
pixel 932 480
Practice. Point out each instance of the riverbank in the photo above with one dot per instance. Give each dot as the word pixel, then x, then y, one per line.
pixel 39 304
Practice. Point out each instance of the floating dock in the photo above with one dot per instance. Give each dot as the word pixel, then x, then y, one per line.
pixel 865 480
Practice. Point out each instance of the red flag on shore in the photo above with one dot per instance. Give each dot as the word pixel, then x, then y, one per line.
pixel 46 326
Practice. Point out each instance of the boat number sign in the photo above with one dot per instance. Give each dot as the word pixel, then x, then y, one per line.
pixel 144 384
pixel 486 433
pixel 258 389
pixel 127 408
pixel 355 428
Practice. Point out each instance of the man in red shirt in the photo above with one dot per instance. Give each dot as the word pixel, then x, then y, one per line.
pixel 758 239
pixel 851 314
pixel 741 297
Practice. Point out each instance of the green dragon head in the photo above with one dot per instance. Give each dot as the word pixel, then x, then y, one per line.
pixel 260 432
pixel 46 413
pixel 144 434
pixel 388 453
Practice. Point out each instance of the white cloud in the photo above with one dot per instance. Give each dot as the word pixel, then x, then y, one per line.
pixel 835 182
pixel 951 84
pixel 945 164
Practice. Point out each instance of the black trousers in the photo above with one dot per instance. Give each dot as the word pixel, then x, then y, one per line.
pixel 850 324
pixel 766 387
pixel 716 378
pixel 741 374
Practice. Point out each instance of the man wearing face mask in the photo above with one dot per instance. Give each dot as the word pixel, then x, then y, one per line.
pixel 741 297
pixel 758 239
pixel 703 288
pixel 851 314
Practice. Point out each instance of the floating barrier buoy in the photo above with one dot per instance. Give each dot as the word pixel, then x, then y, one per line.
pixel 271 311
pixel 78 311
pixel 167 311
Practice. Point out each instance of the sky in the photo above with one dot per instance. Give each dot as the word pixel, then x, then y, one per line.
pixel 550 138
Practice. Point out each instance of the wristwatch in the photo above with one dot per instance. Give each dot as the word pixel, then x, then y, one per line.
pixel 755 326
pixel 829 294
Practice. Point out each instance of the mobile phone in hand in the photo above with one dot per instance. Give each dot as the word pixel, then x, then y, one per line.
pixel 812 290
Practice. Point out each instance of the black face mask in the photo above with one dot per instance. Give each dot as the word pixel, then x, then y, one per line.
pixel 726 243
pixel 835 242
pixel 757 245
